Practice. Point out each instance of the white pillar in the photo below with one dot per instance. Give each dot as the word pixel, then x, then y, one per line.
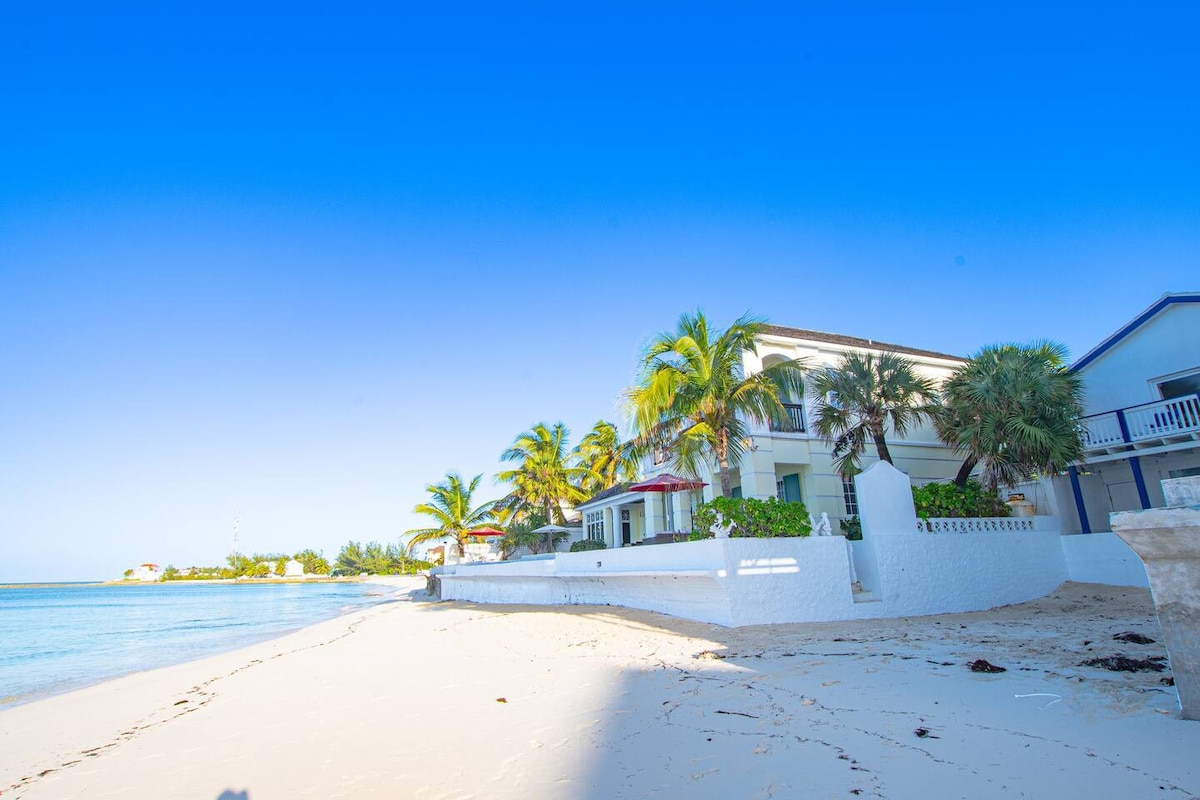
pixel 885 506
pixel 885 502
pixel 758 474
pixel 653 514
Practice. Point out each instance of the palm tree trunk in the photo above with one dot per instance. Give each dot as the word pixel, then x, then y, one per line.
pixel 964 472
pixel 881 445
pixel 723 463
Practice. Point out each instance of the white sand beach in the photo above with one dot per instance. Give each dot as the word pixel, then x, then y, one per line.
pixel 419 699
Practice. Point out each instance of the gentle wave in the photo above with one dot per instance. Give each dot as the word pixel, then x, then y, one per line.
pixel 60 638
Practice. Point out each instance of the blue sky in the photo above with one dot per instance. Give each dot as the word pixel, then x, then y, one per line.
pixel 294 262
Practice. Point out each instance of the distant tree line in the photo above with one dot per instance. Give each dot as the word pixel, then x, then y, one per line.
pixel 353 559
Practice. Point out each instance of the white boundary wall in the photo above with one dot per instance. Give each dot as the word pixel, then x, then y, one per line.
pixel 1103 558
pixel 758 581
pixel 901 570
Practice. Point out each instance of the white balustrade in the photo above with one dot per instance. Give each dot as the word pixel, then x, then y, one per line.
pixel 1102 430
pixel 1180 415
pixel 974 524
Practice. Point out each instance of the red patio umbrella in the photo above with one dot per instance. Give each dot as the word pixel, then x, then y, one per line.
pixel 666 482
pixel 486 532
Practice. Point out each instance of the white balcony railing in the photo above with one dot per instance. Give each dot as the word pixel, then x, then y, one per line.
pixel 1102 430
pixel 1164 420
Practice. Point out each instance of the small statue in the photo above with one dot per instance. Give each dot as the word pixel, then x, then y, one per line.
pixel 721 528
pixel 822 528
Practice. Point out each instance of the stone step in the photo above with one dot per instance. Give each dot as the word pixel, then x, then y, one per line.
pixel 860 596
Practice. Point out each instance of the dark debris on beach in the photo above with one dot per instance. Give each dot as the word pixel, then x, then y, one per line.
pixel 1120 663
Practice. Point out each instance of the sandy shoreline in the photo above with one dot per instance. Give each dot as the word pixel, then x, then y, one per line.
pixel 452 700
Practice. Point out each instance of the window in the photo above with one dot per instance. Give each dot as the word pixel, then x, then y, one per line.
pixel 787 489
pixel 1181 386
pixel 850 497
pixel 594 522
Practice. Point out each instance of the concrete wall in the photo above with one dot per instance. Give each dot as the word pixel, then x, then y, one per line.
pixel 759 581
pixel 1102 558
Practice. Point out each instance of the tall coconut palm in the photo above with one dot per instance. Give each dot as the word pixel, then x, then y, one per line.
pixel 864 395
pixel 545 478
pixel 1014 410
pixel 451 508
pixel 606 458
pixel 694 398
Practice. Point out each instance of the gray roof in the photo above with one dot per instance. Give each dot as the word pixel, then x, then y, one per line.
pixel 852 341
pixel 620 488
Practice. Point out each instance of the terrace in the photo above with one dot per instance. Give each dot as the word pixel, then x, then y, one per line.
pixel 1158 424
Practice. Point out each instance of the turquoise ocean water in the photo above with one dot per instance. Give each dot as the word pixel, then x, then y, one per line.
pixel 57 638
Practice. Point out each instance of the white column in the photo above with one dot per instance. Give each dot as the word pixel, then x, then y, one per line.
pixel 758 474
pixel 653 514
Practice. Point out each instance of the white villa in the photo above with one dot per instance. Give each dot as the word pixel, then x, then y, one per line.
pixel 1142 403
pixel 146 573
pixel 792 464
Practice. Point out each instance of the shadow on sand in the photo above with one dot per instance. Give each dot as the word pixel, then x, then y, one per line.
pixel 867 708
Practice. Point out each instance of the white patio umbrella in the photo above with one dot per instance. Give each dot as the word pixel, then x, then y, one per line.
pixel 550 530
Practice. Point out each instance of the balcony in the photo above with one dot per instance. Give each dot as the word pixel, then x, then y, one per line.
pixel 794 422
pixel 1155 424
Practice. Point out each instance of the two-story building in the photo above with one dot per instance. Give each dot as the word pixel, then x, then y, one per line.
pixel 1142 423
pixel 788 461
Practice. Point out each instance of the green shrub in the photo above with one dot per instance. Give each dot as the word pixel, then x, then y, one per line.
pixel 950 500
pixel 583 545
pixel 852 528
pixel 753 518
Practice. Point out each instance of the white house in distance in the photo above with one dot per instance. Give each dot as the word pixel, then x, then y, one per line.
pixel 146 573
pixel 794 465
pixel 1142 422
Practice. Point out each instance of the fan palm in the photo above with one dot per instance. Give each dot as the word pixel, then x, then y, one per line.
pixel 694 399
pixel 606 458
pixel 1014 410
pixel 864 395
pixel 544 478
pixel 451 508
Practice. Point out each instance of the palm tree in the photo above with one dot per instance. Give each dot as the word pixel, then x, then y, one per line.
pixel 606 458
pixel 694 399
pixel 861 397
pixel 1014 409
pixel 544 478
pixel 450 507
pixel 522 534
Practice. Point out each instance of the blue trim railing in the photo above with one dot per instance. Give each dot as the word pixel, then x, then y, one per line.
pixel 1162 419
